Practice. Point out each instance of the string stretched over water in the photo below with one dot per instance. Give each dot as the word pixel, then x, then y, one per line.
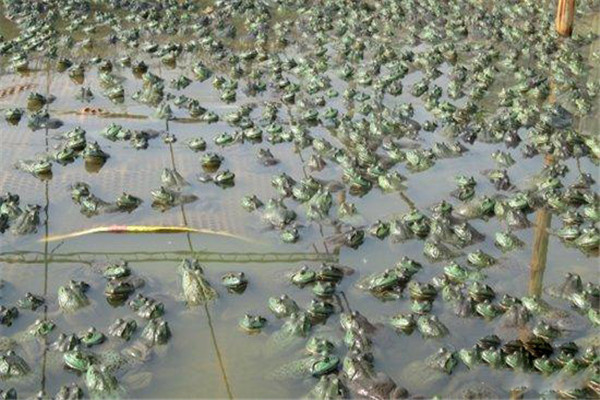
pixel 144 229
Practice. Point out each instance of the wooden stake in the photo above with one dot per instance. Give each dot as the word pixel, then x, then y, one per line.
pixel 565 12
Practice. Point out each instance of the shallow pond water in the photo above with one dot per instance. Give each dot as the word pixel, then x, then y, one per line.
pixel 208 355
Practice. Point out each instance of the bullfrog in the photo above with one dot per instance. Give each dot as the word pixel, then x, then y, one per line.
pixel 316 365
pixel 78 359
pixel 252 323
pixel 277 215
pixel 436 251
pixel 91 337
pixel 164 198
pixel 223 179
pixel 211 162
pixel 364 382
pixel 296 326
pixel 196 289
pixel 30 301
pixel 122 328
pixel 64 343
pixel 405 323
pixel 13 115
pixel 146 307
pixel 128 202
pixel 72 297
pixel 356 321
pixel 480 259
pixel 444 360
pixel 69 392
pixel 235 282
pixel 171 178
pixel 196 144
pixel 156 331
pixel 13 366
pixel 28 221
pixel 283 306
pixel 118 291
pixel 94 154
pixel 251 203
pixel 572 284
pixel 64 155
pixel 387 281
pixel 303 276
pixel 431 327
pixel 328 387
pixel 266 157
pixel 101 383
pixel 8 315
pixel 40 168
pixel 507 241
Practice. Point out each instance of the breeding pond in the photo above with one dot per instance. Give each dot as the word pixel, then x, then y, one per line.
pixel 282 199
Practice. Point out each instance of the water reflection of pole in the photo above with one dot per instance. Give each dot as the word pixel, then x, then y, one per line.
pixel 46 232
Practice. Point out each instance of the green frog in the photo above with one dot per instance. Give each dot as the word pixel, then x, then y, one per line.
pixel 196 289
pixel 72 297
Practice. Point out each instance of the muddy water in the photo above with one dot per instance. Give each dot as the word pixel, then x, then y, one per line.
pixel 208 355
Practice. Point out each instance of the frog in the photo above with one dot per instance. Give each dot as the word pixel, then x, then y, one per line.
pixel 8 315
pixel 235 282
pixel 251 203
pixel 30 301
pixel 64 343
pixel 572 284
pixel 91 337
pixel 171 178
pixel 101 383
pixel 122 328
pixel 422 291
pixel 315 365
pixel 40 168
pixel 503 159
pixel 118 291
pixel 211 162
pixel 196 144
pixel 363 381
pixel 252 323
pixel 28 220
pixel 13 366
pixel 507 241
pixel 266 157
pixel 480 259
pixel 329 387
pixel 78 359
pixel 13 115
pixel 405 323
pixel 277 215
pixel 72 297
pixel 283 306
pixel 296 327
pixel 92 153
pixel 431 327
pixel 444 360
pixel 303 276
pixel 437 251
pixel 165 198
pixel 388 281
pixel 196 289
pixel 156 332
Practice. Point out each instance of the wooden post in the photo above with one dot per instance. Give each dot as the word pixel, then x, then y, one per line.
pixel 565 12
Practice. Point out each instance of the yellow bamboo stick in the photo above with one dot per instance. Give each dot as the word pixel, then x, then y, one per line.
pixel 143 229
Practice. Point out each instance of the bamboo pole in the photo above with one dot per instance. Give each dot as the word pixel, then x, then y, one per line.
pixel 565 13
